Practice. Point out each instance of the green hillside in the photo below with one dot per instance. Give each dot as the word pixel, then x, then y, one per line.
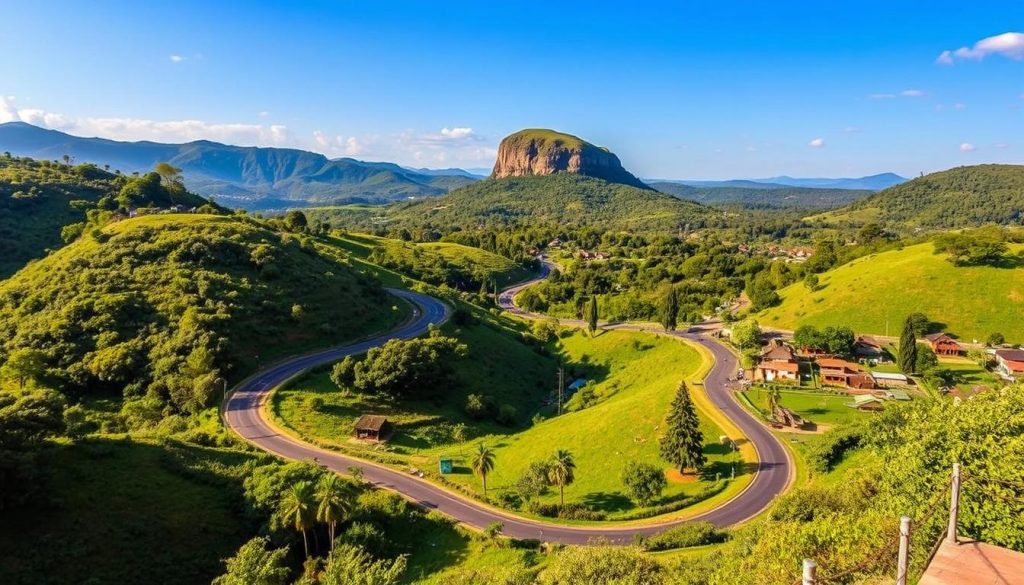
pixel 956 198
pixel 39 197
pixel 565 199
pixel 873 294
pixel 164 305
pixel 762 198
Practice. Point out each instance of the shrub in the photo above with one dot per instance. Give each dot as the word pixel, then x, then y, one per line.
pixel 479 406
pixel 506 415
pixel 684 535
pixel 826 451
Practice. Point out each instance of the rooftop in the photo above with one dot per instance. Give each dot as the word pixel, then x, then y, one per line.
pixel 973 562
pixel 371 422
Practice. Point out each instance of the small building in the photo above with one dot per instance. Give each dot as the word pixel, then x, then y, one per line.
pixel 446 465
pixel 866 402
pixel 555 243
pixel 585 255
pixel 372 427
pixel 888 379
pixel 869 348
pixel 777 363
pixel 943 344
pixel 1010 363
pixel 837 372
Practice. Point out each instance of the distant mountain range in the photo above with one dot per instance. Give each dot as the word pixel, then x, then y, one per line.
pixel 869 183
pixel 240 176
pixel 763 195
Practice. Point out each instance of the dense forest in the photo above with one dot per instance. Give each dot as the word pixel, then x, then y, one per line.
pixel 957 198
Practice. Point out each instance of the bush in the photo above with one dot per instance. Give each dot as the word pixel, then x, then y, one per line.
pixel 826 451
pixel 506 415
pixel 573 511
pixel 479 406
pixel 684 535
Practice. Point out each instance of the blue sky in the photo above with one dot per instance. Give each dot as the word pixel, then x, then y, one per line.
pixel 683 89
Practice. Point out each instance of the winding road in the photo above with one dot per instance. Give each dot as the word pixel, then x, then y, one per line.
pixel 243 412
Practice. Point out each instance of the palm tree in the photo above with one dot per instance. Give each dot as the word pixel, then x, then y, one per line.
pixel 299 507
pixel 560 472
pixel 483 463
pixel 334 502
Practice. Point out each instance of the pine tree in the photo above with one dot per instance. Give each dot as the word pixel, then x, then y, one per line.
pixel 668 313
pixel 592 315
pixel 682 444
pixel 908 347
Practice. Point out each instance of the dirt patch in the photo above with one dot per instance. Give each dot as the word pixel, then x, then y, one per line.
pixel 673 476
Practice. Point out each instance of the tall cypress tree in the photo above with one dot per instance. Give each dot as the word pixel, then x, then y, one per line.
pixel 668 313
pixel 908 347
pixel 592 315
pixel 682 445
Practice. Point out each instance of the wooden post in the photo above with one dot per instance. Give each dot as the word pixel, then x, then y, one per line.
pixel 954 504
pixel 902 562
pixel 810 572
pixel 561 388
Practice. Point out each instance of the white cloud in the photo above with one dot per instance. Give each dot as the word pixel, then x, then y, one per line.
pixel 449 146
pixel 816 143
pixel 967 147
pixel 1002 145
pixel 263 114
pixel 143 129
pixel 457 133
pixel 851 129
pixel 176 58
pixel 1009 45
pixel 881 96
pixel 912 93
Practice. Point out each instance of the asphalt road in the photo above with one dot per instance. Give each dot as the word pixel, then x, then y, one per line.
pixel 242 412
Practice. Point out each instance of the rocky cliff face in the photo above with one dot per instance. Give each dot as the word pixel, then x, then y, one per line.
pixel 546 152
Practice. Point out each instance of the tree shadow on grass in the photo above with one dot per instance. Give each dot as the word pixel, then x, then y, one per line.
pixel 607 502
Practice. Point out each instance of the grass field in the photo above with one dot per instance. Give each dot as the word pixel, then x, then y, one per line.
pixel 635 377
pixel 817 407
pixel 875 293
pixel 129 511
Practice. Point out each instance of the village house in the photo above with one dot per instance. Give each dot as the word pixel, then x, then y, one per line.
pixel 837 372
pixel 777 363
pixel 555 243
pixel 372 427
pixel 890 379
pixel 1010 363
pixel 943 344
pixel 869 348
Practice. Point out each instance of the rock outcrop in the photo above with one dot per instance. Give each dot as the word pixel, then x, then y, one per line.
pixel 546 152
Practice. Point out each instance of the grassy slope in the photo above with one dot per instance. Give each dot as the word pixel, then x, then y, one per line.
pixel 636 380
pixel 817 407
pixel 870 292
pixel 505 270
pixel 129 512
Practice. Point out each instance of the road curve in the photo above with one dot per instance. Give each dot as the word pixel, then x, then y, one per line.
pixel 243 413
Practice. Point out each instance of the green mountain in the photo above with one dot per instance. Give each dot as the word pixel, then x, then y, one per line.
pixel 239 176
pixel 39 198
pixel 162 306
pixel 776 197
pixel 956 198
pixel 565 199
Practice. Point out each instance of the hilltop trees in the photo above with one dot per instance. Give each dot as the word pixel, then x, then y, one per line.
pixel 908 348
pixel 986 245
pixel 23 365
pixel 682 445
